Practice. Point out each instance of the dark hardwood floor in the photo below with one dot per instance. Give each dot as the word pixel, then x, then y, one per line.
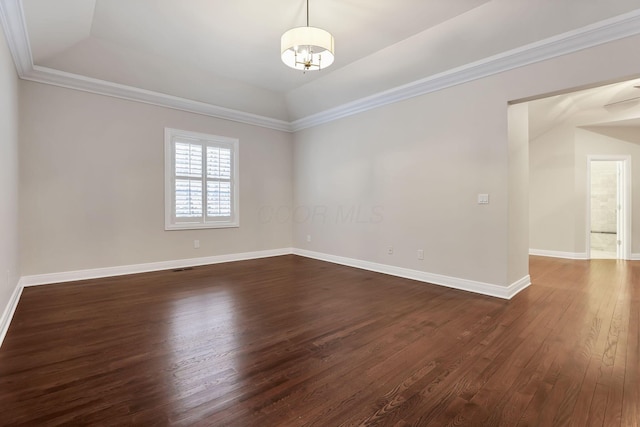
pixel 289 341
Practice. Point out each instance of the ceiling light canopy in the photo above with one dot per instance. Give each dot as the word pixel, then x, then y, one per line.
pixel 307 48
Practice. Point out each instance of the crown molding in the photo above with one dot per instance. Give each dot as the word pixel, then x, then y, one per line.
pixel 15 30
pixel 12 20
pixel 101 87
pixel 609 30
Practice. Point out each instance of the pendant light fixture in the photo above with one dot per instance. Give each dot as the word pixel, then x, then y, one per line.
pixel 307 48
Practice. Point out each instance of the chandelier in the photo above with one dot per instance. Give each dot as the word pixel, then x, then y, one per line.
pixel 307 48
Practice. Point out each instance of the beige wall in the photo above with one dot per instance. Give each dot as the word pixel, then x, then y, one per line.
pixel 9 265
pixel 559 186
pixel 422 163
pixel 414 172
pixel 518 192
pixel 92 183
pixel 552 191
pixel 406 175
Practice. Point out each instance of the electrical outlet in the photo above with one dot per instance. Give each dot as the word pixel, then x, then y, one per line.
pixel 390 250
pixel 420 253
pixel 308 237
pixel 196 244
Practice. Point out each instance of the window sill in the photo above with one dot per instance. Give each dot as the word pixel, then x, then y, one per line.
pixel 199 226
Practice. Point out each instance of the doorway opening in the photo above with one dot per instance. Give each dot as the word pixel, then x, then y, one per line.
pixel 608 213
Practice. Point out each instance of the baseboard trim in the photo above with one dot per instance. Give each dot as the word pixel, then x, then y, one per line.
pixel 431 278
pixel 519 286
pixel 9 310
pixel 559 254
pixel 570 255
pixel 96 273
pixel 504 292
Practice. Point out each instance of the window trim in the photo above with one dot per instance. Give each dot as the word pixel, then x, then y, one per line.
pixel 170 223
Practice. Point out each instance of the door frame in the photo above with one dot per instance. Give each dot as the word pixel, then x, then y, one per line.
pixel 624 225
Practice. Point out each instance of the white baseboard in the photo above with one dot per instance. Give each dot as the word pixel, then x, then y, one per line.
pixel 436 279
pixel 70 276
pixel 518 286
pixel 504 292
pixel 9 310
pixel 570 255
pixel 559 254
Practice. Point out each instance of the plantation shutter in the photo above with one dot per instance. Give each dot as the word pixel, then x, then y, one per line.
pixel 188 182
pixel 218 182
pixel 202 183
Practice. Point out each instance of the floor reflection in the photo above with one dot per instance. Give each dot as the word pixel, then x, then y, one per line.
pixel 203 345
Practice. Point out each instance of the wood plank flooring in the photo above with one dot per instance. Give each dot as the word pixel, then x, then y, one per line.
pixel 289 341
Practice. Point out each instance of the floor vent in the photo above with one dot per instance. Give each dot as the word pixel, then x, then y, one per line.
pixel 182 269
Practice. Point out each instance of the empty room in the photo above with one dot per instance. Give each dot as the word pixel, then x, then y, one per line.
pixel 320 213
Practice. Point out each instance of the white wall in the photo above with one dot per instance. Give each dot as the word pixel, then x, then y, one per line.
pixel 423 161
pixel 92 177
pixel 9 265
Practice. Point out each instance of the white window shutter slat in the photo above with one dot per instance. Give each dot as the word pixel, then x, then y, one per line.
pixel 203 190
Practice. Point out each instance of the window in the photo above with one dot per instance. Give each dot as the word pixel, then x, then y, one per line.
pixel 201 180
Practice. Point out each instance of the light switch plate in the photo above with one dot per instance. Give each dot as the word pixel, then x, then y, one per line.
pixel 483 199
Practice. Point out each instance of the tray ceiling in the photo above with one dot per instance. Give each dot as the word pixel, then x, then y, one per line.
pixel 226 54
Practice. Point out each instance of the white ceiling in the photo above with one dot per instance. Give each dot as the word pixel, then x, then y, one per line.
pixel 614 105
pixel 238 39
pixel 226 53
